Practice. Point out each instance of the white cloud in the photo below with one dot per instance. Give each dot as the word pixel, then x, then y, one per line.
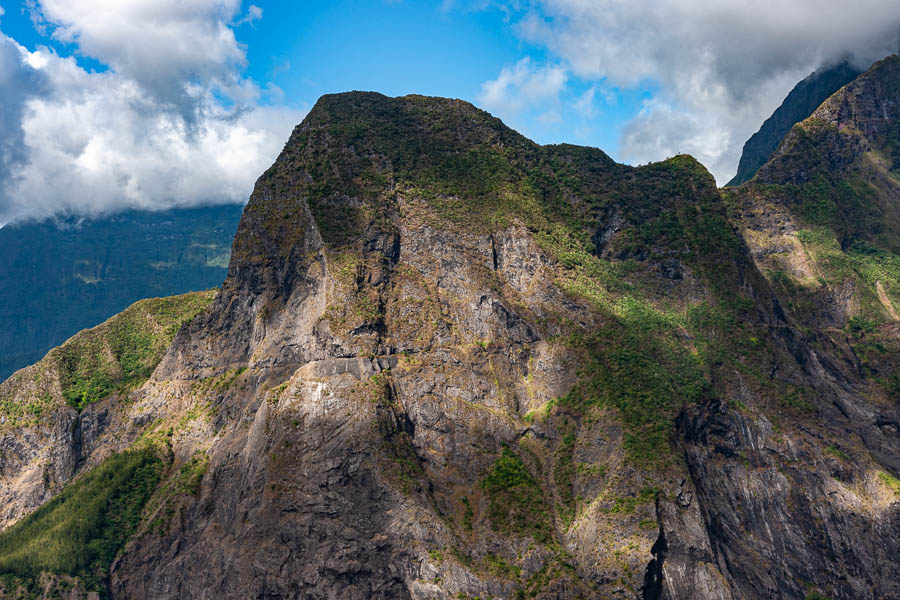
pixel 18 81
pixel 254 13
pixel 522 87
pixel 162 44
pixel 585 103
pixel 171 123
pixel 721 67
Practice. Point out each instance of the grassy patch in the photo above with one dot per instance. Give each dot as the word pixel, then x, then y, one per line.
pixel 185 482
pixel 891 482
pixel 858 325
pixel 836 452
pixel 498 567
pixel 468 513
pixel 868 266
pixel 564 473
pixel 516 501
pixel 795 399
pixel 627 504
pixel 219 383
pixel 637 365
pixel 120 354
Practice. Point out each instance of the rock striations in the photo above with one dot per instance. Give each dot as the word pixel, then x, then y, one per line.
pixel 450 363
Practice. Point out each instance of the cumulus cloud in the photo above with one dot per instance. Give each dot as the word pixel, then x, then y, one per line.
pixel 721 67
pixel 160 43
pixel 172 122
pixel 524 86
pixel 18 82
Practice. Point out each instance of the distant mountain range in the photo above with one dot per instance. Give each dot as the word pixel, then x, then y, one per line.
pixel 58 277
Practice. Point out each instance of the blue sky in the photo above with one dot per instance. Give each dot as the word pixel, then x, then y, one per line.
pixel 109 104
pixel 412 48
pixel 308 49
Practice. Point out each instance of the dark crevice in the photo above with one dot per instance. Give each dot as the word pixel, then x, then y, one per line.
pixel 653 576
pixel 77 444
pixel 494 258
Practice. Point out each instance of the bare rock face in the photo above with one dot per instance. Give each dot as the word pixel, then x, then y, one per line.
pixel 448 362
pixel 818 216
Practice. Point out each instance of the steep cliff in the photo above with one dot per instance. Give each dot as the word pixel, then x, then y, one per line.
pixel 54 414
pixel 448 362
pixel 822 219
pixel 797 106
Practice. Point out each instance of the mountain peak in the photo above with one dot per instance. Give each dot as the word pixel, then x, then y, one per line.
pixel 462 364
pixel 434 122
pixel 802 100
pixel 870 104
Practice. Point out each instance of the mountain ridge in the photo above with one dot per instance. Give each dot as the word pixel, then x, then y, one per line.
pixel 60 277
pixel 449 362
pixel 800 102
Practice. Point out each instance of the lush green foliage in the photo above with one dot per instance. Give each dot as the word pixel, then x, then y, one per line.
pixel 80 531
pixel 516 500
pixel 638 365
pixel 122 353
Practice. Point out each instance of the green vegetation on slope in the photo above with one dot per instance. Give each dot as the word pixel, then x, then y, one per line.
pixel 113 357
pixel 891 482
pixel 79 532
pixel 516 501
pixel 640 361
pixel 637 365
pixel 839 185
pixel 121 353
pixel 184 482
pixel 474 173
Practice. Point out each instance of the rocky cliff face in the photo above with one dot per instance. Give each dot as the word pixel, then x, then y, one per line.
pixel 449 363
pixel 55 414
pixel 822 220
